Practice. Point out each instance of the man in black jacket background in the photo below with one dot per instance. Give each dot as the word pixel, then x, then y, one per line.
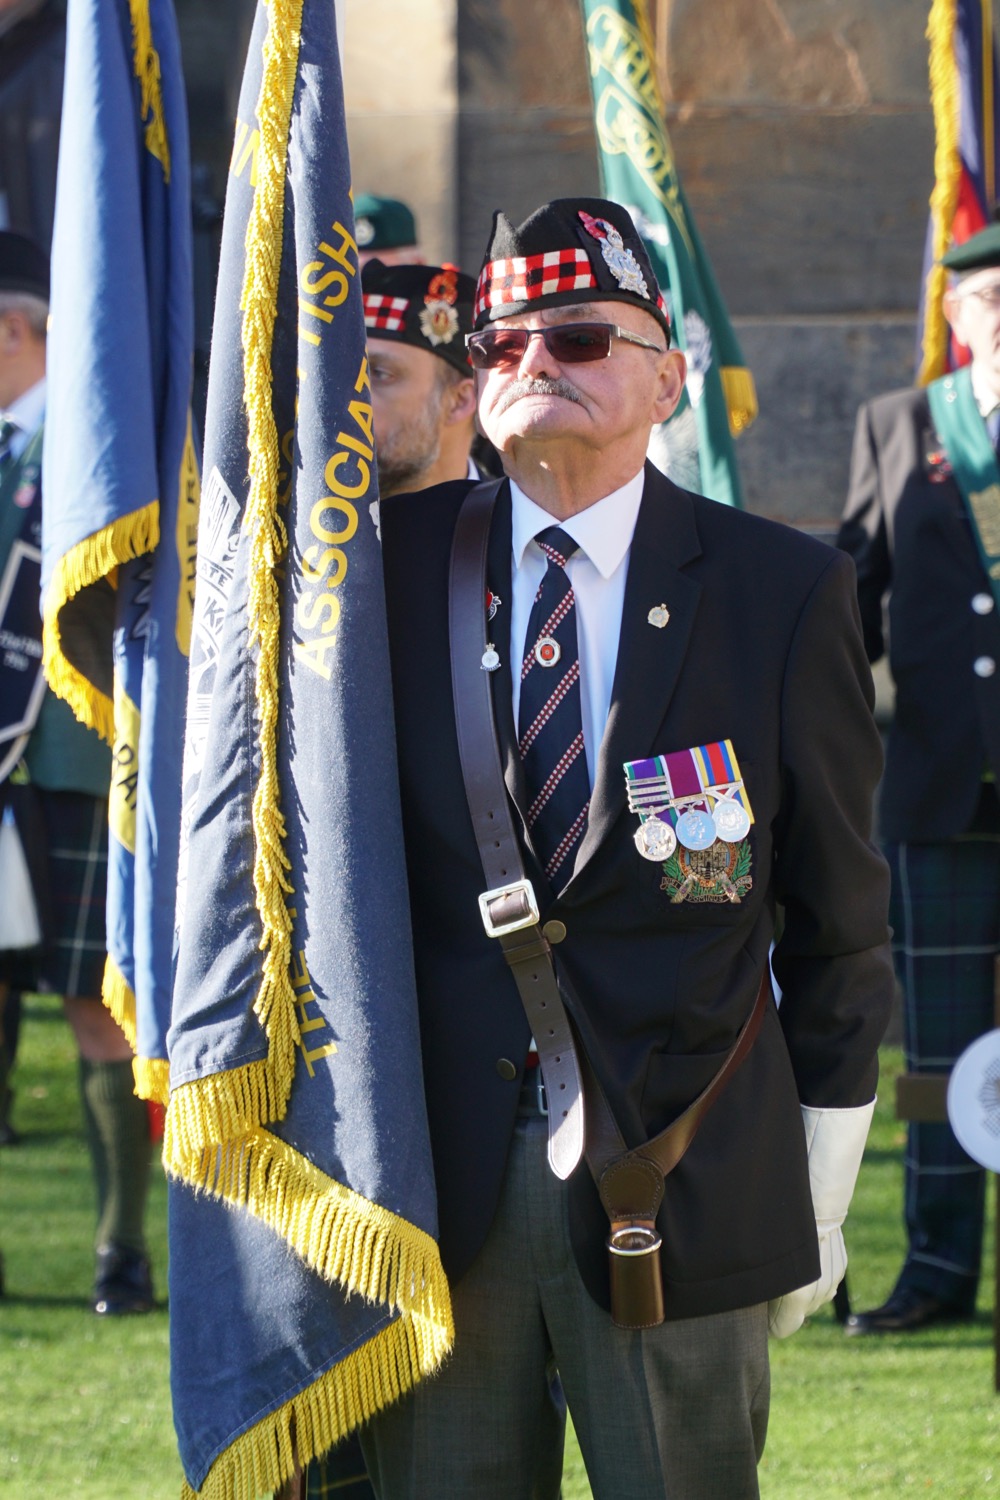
pixel 918 523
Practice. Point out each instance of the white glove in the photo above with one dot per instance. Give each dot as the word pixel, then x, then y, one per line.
pixel 835 1143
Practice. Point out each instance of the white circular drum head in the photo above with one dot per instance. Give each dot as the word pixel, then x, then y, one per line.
pixel 974 1100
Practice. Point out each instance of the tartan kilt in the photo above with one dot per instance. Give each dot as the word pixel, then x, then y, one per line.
pixel 71 874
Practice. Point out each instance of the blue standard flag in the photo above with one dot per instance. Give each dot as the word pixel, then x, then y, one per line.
pixel 120 474
pixel 306 1289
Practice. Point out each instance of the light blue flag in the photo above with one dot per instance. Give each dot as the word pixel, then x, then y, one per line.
pixel 120 473
pixel 306 1288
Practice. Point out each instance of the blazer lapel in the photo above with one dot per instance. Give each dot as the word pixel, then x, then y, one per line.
pixel 649 656
pixel 498 575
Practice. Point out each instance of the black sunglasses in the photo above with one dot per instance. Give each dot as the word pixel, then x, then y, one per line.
pixel 569 343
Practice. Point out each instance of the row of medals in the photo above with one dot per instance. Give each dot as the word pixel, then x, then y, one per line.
pixel 695 829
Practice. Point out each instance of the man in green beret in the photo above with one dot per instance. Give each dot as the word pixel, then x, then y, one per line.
pixel 922 523
pixel 386 228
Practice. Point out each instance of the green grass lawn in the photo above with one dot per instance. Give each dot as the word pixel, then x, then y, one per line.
pixel 85 1406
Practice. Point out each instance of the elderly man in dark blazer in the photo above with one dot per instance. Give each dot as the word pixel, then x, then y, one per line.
pixel 921 525
pixel 683 720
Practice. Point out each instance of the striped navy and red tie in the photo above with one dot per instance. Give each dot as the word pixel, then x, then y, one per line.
pixel 550 723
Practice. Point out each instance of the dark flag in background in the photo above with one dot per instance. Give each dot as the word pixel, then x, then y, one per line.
pixel 963 81
pixel 120 474
pixel 306 1290
pixel 639 171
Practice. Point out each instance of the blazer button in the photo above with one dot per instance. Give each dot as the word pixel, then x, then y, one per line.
pixel 984 666
pixel 555 930
pixel 982 603
pixel 506 1069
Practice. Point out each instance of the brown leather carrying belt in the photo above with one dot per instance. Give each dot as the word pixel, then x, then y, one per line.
pixel 630 1183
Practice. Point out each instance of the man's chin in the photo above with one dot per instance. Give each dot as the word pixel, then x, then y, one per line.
pixel 534 415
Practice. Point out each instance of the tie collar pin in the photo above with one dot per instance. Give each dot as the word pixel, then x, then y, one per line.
pixel 547 651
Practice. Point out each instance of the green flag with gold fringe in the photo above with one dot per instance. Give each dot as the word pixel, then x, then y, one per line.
pixel 639 171
pixel 306 1289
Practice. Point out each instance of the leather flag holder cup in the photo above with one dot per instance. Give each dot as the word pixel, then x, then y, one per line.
pixel 630 1182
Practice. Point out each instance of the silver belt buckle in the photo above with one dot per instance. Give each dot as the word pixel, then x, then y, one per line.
pixel 543 1105
pixel 500 929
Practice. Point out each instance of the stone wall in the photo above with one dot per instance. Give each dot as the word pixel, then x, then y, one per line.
pixel 804 140
pixel 803 137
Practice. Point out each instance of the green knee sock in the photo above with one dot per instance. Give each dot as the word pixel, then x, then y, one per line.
pixel 117 1125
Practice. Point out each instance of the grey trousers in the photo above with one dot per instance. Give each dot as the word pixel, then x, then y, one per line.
pixel 677 1412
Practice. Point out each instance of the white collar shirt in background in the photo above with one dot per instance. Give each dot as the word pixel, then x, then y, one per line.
pixel 27 414
pixel 597 573
pixel 986 400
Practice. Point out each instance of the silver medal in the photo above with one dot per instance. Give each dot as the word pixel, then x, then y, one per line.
pixel 696 830
pixel 655 840
pixel 731 819
pixel 490 659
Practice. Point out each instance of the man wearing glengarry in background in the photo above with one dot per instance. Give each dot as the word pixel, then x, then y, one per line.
pixel 681 735
pixel 920 523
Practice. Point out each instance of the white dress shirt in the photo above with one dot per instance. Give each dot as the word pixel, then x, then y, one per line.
pixel 597 573
pixel 986 399
pixel 27 414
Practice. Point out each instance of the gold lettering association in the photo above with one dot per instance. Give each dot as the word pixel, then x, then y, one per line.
pixel 986 509
pixel 186 538
pixel 324 283
pixel 308 1025
pixel 333 521
pixel 124 788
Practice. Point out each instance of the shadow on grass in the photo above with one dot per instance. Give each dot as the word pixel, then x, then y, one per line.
pixel 14 1300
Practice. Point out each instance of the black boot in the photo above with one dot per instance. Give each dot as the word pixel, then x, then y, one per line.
pixel 122 1283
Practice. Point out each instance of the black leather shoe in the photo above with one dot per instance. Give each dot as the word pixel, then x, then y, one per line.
pixel 904 1311
pixel 123 1282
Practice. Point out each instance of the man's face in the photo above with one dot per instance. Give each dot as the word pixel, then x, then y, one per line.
pixel 407 404
pixel 540 401
pixel 973 310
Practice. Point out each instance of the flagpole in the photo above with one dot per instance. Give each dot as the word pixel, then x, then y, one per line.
pixel 989 164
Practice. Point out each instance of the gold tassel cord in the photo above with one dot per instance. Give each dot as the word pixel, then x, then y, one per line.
pixel 275 1002
pixel 741 397
pixel 944 84
pixel 371 1378
pixel 94 558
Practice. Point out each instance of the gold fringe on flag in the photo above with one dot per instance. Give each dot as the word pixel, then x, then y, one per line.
pixel 370 1251
pixel 152 1078
pixel 119 998
pixel 151 1074
pixel 94 558
pixel 944 82
pixel 371 1378
pixel 741 397
pixel 367 1249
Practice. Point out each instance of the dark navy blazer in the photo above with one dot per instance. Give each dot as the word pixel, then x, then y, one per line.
pixel 763 647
